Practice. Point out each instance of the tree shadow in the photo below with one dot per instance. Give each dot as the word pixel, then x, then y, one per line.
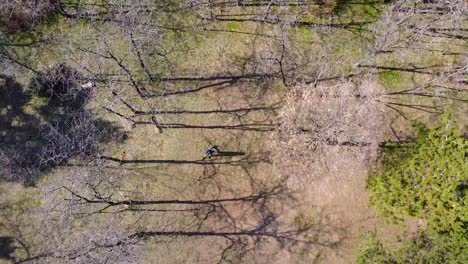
pixel 243 225
pixel 7 248
pixel 249 159
pixel 47 124
pixel 14 122
pixel 236 111
pixel 18 130
pixel 240 223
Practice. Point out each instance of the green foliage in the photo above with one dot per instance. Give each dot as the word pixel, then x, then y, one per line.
pixel 422 250
pixel 427 179
pixel 372 251
pixel 390 79
pixel 430 249
pixel 363 9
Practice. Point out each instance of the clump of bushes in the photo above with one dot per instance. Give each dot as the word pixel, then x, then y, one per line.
pixel 425 179
pixel 20 15
pixel 56 81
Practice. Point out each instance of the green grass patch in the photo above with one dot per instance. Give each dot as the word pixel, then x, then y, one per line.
pixel 392 80
pixel 363 10
pixel 233 26
pixel 305 34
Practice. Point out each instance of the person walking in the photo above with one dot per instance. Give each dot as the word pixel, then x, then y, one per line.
pixel 210 151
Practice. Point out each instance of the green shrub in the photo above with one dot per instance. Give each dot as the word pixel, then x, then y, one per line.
pixel 372 251
pixel 427 179
pixel 422 250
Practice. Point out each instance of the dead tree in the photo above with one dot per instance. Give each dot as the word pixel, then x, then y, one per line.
pixel 423 41
pixel 317 123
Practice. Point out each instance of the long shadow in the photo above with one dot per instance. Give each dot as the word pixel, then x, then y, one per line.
pixel 215 78
pixel 344 25
pixel 219 85
pixel 421 70
pixel 242 223
pixel 242 161
pixel 106 202
pixel 238 242
pixel 265 225
pixel 229 154
pixel 246 127
pixel 139 81
pixel 200 112
pixel 258 3
pixel 222 82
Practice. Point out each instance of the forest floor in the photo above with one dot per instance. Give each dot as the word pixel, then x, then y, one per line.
pixel 239 119
pixel 335 204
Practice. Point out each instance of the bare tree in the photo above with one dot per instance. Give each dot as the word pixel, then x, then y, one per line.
pixel 16 166
pixel 18 15
pixel 317 123
pixel 264 12
pixel 129 65
pixel 424 40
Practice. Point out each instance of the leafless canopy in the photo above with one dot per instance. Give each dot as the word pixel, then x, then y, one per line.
pixel 317 123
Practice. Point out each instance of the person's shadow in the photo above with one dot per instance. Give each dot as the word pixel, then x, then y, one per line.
pixel 220 153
